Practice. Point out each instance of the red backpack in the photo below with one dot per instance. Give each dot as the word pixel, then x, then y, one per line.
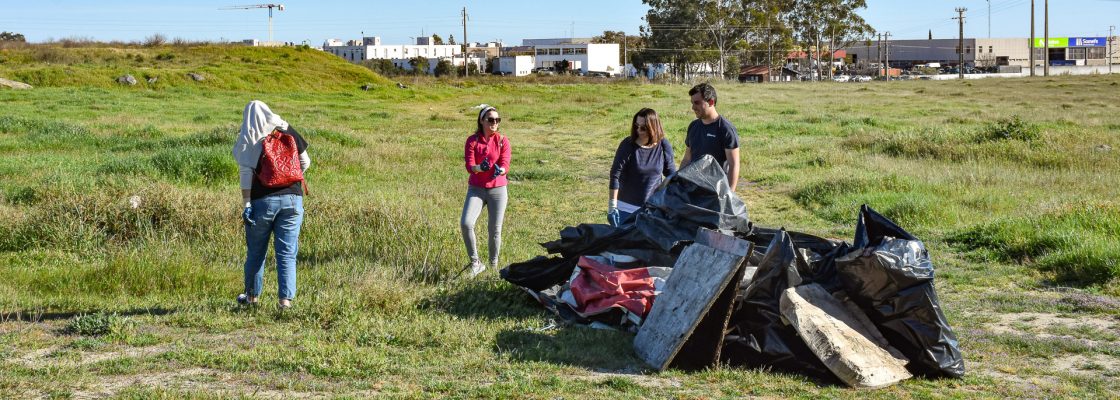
pixel 279 164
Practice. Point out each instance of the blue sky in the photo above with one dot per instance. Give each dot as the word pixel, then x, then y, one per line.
pixel 507 20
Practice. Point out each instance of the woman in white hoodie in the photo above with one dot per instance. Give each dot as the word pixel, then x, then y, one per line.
pixel 270 209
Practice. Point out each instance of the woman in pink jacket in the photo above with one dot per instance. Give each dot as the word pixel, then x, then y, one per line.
pixel 486 158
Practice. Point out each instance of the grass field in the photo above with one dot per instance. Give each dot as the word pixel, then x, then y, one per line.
pixel 1012 184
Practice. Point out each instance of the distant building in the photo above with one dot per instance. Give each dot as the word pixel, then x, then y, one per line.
pixel 759 73
pixel 515 65
pixel 980 52
pixel 370 48
pixel 584 56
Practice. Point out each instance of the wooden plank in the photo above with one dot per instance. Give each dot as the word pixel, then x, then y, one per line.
pixel 725 243
pixel 704 345
pixel 700 275
pixel 839 339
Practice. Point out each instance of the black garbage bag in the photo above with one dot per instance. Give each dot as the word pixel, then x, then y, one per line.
pixel 816 256
pixel 540 273
pixel 756 335
pixel 587 239
pixel 891 277
pixel 696 196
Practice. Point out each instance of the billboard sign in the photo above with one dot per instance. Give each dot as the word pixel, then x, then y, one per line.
pixel 1088 42
pixel 1055 43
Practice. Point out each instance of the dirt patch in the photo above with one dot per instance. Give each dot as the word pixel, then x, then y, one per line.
pixel 200 380
pixel 43 357
pixel 1036 324
pixel 643 380
pixel 1093 364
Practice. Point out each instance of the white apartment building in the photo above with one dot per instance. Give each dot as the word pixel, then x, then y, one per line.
pixel 583 55
pixel 370 48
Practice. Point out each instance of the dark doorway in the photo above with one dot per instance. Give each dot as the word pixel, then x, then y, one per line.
pixel 1057 54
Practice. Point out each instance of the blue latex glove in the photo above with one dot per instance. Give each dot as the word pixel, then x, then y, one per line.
pixel 485 166
pixel 247 216
pixel 613 217
pixel 498 171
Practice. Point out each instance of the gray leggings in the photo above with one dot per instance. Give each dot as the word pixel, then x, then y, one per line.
pixel 495 200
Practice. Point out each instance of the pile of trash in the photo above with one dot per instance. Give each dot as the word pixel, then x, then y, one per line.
pixel 699 284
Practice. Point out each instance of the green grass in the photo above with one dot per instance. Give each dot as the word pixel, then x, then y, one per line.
pixel 1012 198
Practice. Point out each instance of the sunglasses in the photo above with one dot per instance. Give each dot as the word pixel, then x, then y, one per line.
pixel 641 127
pixel 493 120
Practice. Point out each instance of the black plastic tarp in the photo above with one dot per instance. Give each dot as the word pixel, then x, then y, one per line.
pixel 696 196
pixel 891 277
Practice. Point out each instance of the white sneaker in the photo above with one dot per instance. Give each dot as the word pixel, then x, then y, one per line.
pixel 476 268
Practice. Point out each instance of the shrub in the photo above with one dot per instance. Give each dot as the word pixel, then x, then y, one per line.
pixel 154 40
pixel 1013 128
pixel 97 324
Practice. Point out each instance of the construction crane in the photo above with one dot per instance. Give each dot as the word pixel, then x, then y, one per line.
pixel 252 6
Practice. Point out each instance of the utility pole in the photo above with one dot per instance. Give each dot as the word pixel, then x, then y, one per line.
pixel 770 52
pixel 1111 39
pixel 989 19
pixel 887 55
pixel 466 46
pixel 1046 38
pixel 1032 37
pixel 879 49
pixel 960 43
pixel 624 55
pixel 831 52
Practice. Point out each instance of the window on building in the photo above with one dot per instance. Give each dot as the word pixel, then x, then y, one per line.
pixel 553 52
pixel 577 51
pixel 957 50
pixel 1077 53
pixel 991 49
pixel 1097 53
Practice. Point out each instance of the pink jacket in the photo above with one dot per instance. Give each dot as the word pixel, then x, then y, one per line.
pixel 496 148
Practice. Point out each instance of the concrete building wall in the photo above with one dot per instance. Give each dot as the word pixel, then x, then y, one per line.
pixel 989 52
pixel 602 57
pixel 516 65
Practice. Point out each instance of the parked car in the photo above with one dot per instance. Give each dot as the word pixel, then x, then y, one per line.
pixel 841 78
pixel 544 71
pixel 861 78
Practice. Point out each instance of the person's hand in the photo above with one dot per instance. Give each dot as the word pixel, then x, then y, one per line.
pixel 485 166
pixel 247 215
pixel 499 171
pixel 613 217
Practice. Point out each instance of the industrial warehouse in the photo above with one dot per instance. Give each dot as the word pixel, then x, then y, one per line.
pixel 1066 55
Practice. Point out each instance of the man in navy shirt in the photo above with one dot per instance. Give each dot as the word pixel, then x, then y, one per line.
pixel 711 134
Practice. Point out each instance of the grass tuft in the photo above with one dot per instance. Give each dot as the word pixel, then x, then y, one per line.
pixel 1076 243
pixel 97 324
pixel 1013 128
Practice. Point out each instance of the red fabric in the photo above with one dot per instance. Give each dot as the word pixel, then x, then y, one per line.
pixel 599 287
pixel 279 164
pixel 496 149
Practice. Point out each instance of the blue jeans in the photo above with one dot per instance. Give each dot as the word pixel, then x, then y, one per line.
pixel 280 215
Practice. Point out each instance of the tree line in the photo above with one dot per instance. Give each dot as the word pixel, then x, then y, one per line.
pixel 721 35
